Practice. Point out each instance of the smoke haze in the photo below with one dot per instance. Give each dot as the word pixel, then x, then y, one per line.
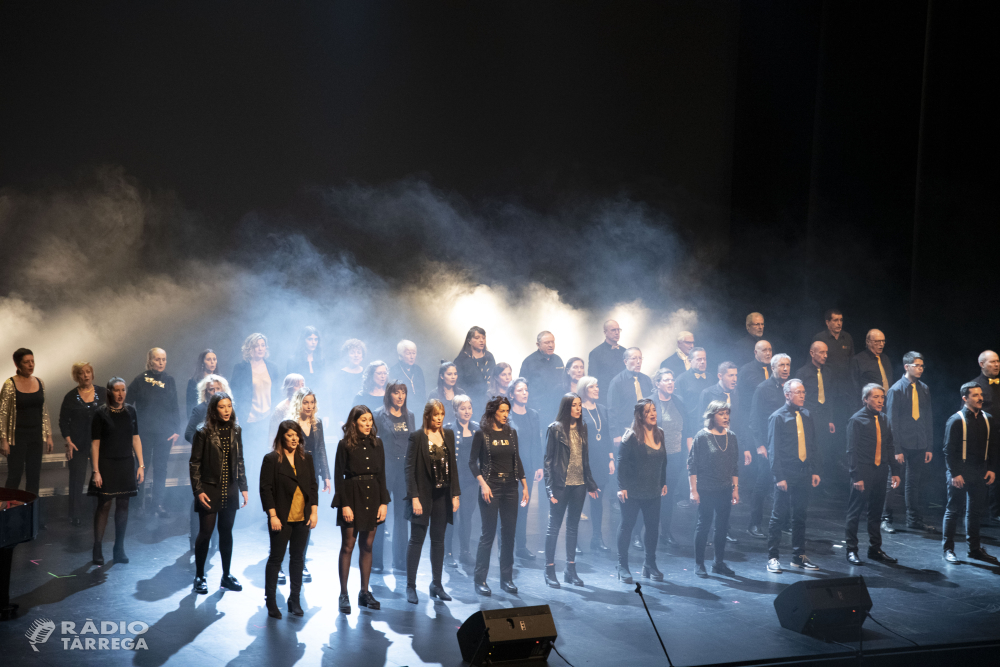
pixel 104 269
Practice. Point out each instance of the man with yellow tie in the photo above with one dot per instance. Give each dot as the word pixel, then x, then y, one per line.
pixel 795 468
pixel 989 380
pixel 820 394
pixel 870 457
pixel 627 388
pixel 871 365
pixel 908 408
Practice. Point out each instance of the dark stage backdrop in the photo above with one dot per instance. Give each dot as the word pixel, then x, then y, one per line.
pixel 775 144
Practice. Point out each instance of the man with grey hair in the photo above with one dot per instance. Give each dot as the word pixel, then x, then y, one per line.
pixel 743 349
pixel 871 458
pixel 989 380
pixel 871 364
pixel 795 469
pixel 680 360
pixel 408 372
pixel 544 370
pixel 629 387
pixel 605 360
pixel 819 403
pixel 767 397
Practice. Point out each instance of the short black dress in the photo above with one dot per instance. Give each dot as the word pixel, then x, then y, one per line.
pixel 116 460
pixel 359 482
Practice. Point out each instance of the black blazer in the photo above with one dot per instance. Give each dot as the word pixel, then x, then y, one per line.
pixel 205 465
pixel 241 383
pixel 419 478
pixel 557 452
pixel 278 483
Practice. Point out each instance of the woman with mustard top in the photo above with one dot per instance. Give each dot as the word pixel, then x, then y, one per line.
pixel 288 492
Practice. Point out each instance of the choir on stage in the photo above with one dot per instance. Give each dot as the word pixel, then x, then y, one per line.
pixel 602 430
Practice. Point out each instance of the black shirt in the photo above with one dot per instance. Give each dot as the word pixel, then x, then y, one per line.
pixel 768 397
pixel 675 363
pixel 622 399
pixel 688 387
pixel 154 396
pixel 822 412
pixel 714 459
pixel 76 417
pixel 546 385
pixel 783 449
pixel 115 431
pixel 840 351
pixel 463 443
pixel 529 438
pixel 474 375
pixel 991 393
pixel 604 363
pixel 394 433
pixel 413 378
pixel 865 370
pixel 743 349
pixel 980 451
pixel 642 470
pixel 862 439
pixel 717 393
pixel 29 408
pixel 751 375
pixel 495 452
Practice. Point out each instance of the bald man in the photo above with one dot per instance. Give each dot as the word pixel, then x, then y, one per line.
pixel 989 380
pixel 819 402
pixel 743 348
pixel 680 360
pixel 605 360
pixel 545 372
pixel 158 411
pixel 871 366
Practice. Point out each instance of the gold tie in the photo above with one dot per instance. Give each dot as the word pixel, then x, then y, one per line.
pixel 878 443
pixel 767 376
pixel 638 391
pixel 802 435
pixel 819 381
pixel 916 404
pixel 728 402
pixel 687 363
pixel 881 369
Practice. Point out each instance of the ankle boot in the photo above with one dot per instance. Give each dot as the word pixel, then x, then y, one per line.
pixel 650 572
pixel 119 552
pixel 294 607
pixel 272 608
pixel 624 575
pixel 550 576
pixel 98 554
pixel 570 576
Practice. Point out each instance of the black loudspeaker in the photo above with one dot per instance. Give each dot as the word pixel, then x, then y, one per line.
pixel 812 607
pixel 505 635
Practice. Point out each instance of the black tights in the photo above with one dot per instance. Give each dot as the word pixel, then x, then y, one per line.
pixel 227 517
pixel 121 519
pixel 348 536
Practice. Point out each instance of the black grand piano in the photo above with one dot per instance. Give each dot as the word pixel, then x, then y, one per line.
pixel 18 523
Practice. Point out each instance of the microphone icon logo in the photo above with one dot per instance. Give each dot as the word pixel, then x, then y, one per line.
pixel 39 632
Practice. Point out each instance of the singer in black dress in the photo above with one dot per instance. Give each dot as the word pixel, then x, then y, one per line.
pixel 361 498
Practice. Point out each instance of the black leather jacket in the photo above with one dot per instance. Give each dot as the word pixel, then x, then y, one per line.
pixel 480 462
pixel 557 453
pixel 206 459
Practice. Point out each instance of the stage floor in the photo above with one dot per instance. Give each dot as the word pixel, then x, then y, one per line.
pixel 702 621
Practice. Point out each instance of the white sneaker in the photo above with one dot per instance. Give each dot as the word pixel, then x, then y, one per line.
pixel 774 566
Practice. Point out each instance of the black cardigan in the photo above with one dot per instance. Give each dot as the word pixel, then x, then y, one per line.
pixel 557 453
pixel 278 483
pixel 241 383
pixel 419 478
pixel 76 417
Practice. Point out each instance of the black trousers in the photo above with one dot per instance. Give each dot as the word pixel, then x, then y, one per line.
pixel 867 503
pixel 294 536
pixel 969 500
pixel 761 489
pixel 78 465
pixel 715 504
pixel 25 460
pixel 913 474
pixel 794 501
pixel 596 508
pixel 156 449
pixel 650 508
pixel 463 521
pixel 437 521
pixel 504 506
pixel 677 487
pixel 570 505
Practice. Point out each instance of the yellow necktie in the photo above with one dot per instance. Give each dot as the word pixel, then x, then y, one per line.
pixel 916 404
pixel 767 376
pixel 878 443
pixel 802 435
pixel 881 369
pixel 728 401
pixel 687 363
pixel 819 381
pixel 638 391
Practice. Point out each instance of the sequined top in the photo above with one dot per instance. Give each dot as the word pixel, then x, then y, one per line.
pixel 439 465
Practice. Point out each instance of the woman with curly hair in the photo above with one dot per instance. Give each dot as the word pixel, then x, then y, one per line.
pixel 255 390
pixel 361 498
pixel 373 383
pixel 347 380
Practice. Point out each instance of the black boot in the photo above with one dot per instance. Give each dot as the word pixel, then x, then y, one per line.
pixel 119 552
pixel 570 576
pixel 294 608
pixel 651 572
pixel 98 554
pixel 624 575
pixel 272 608
pixel 550 576
pixel 437 591
pixel 597 544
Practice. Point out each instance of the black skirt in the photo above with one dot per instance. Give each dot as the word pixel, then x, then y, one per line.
pixel 363 497
pixel 215 499
pixel 117 479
